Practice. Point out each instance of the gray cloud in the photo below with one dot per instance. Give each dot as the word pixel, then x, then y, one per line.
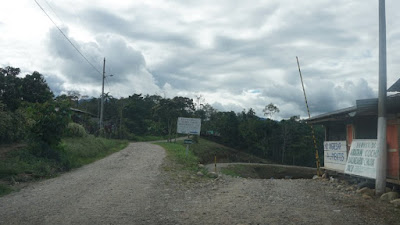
pixel 238 54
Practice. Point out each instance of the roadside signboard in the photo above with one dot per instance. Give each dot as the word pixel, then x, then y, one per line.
pixel 187 142
pixel 335 155
pixel 362 158
pixel 189 125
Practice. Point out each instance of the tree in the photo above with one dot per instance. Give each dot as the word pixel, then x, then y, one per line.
pixel 10 87
pixel 270 110
pixel 35 89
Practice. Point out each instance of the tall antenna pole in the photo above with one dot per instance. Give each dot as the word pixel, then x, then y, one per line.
pixel 380 183
pixel 102 95
pixel 309 116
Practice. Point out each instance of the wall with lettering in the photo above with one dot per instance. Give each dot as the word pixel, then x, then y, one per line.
pixel 335 155
pixel 362 158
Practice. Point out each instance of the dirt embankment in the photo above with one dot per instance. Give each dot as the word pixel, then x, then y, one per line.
pixel 131 187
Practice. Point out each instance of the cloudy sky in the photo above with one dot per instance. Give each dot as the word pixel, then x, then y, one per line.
pixel 235 54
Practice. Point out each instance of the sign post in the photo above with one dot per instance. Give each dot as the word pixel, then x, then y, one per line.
pixel 188 126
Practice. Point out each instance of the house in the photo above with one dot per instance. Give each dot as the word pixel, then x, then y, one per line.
pixel 345 126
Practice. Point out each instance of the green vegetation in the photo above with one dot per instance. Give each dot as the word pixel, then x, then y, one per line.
pixel 177 153
pixel 29 113
pixel 4 190
pixel 205 150
pixel 23 164
pixel 82 151
pixel 148 138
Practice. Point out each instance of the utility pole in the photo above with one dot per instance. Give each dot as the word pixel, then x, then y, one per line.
pixel 380 183
pixel 102 95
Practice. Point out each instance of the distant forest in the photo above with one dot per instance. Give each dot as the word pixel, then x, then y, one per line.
pixel 29 112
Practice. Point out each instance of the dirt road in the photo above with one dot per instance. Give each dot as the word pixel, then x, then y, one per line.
pixel 136 186
pixel 112 190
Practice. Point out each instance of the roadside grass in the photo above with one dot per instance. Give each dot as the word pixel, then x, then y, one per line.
pixel 20 165
pixel 205 150
pixel 148 138
pixel 4 189
pixel 82 151
pixel 177 153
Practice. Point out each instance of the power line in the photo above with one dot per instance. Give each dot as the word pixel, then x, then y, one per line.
pixel 52 9
pixel 80 53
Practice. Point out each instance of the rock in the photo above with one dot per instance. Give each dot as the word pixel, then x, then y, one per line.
pixel 324 176
pixel 365 184
pixel 389 196
pixel 396 202
pixel 201 165
pixel 315 177
pixel 331 179
pixel 365 196
pixel 339 187
pixel 212 175
pixel 366 191
pixel 351 188
pixel 200 174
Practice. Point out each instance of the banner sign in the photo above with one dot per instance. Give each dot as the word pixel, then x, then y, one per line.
pixel 189 125
pixel 335 155
pixel 362 158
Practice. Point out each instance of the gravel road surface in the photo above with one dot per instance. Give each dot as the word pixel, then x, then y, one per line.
pixel 114 190
pixel 138 186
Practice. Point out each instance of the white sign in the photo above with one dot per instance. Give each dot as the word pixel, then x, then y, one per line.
pixel 189 125
pixel 335 155
pixel 362 158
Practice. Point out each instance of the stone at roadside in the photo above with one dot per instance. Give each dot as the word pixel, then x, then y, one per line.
pixel 364 184
pixel 200 174
pixel 365 196
pixel 201 166
pixel 389 196
pixel 212 175
pixel 396 202
pixel 366 191
pixel 351 188
pixel 315 177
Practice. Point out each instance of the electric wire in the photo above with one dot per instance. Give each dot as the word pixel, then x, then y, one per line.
pixel 72 44
pixel 52 9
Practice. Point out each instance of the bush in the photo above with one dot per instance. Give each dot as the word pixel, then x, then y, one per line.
pixel 12 125
pixel 75 130
pixel 49 121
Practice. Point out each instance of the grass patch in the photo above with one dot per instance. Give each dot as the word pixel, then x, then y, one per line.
pixel 177 153
pixel 206 150
pixel 82 151
pixel 4 189
pixel 21 165
pixel 148 138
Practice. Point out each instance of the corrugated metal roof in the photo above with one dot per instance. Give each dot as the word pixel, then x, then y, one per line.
pixel 363 107
pixel 395 87
pixel 332 115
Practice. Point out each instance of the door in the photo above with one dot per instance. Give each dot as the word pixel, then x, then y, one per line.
pixel 349 136
pixel 392 140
